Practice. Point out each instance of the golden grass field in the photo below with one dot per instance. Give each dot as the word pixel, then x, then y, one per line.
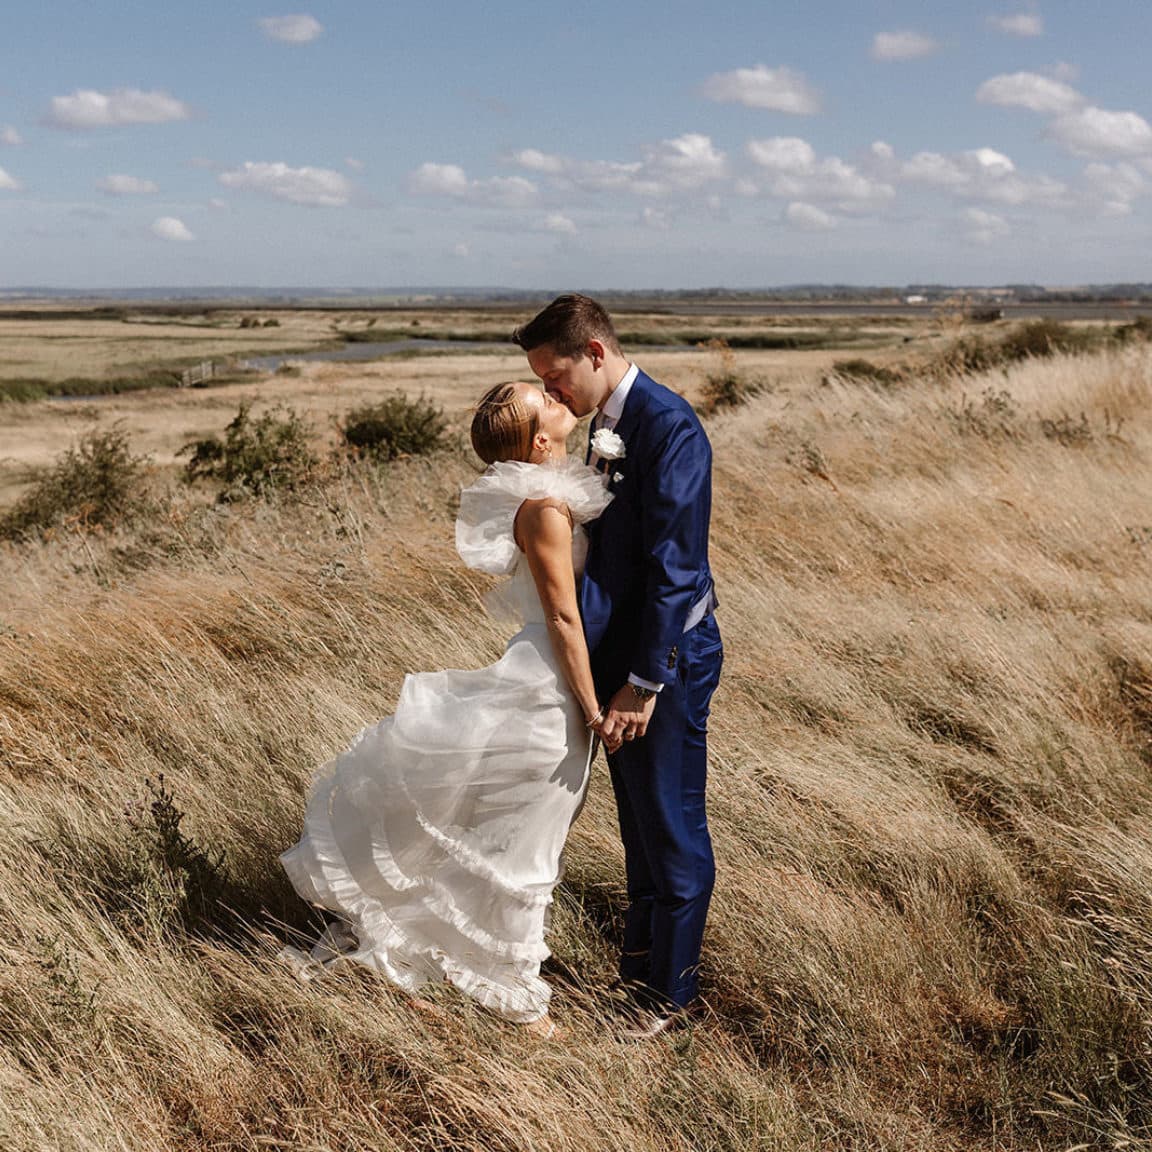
pixel 931 787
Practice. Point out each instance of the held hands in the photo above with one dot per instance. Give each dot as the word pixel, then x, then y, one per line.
pixel 627 718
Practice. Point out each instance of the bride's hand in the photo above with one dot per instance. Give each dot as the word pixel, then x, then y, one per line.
pixel 596 725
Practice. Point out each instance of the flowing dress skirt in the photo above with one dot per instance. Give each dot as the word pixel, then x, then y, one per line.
pixel 437 836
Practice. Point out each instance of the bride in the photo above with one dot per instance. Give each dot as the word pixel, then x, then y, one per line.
pixel 436 837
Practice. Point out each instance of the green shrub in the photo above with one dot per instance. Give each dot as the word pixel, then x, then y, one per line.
pixel 1036 339
pixel 727 386
pixel 28 389
pixel 1040 338
pixel 394 427
pixel 1139 329
pixel 255 456
pixel 94 485
pixel 866 371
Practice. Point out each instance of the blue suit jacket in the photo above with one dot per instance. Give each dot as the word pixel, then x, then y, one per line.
pixel 648 555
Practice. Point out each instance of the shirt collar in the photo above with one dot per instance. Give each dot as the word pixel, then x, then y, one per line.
pixel 613 407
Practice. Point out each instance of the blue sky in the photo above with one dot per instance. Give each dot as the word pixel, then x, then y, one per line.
pixel 599 145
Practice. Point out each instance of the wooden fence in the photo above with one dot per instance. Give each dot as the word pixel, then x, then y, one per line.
pixel 198 374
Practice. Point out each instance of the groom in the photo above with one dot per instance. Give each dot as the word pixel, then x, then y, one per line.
pixel 647 601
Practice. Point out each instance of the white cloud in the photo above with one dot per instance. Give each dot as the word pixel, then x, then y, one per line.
pixel 982 174
pixel 452 181
pixel 882 151
pixel 778 89
pixel 1029 90
pixel 686 162
pixel 809 217
pixel 934 168
pixel 299 28
pixel 1096 131
pixel 507 191
pixel 9 136
pixel 86 108
pixel 1019 24
pixel 8 183
pixel 658 218
pixel 439 180
pixel 463 250
pixel 783 154
pixel 313 186
pixel 557 222
pixel 170 228
pixel 795 173
pixel 118 184
pixel 984 227
pixel 539 161
pixel 903 45
pixel 355 163
pixel 990 161
pixel 670 166
pixel 1113 188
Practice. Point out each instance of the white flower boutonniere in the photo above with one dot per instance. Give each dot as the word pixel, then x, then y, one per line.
pixel 607 445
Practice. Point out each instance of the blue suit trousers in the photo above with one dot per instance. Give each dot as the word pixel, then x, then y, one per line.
pixel 659 783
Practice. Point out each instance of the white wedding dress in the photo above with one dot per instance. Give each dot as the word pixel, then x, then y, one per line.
pixel 436 837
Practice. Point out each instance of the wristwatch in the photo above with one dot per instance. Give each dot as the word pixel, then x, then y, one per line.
pixel 641 693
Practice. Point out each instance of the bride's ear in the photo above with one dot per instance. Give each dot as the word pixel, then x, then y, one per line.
pixel 542 444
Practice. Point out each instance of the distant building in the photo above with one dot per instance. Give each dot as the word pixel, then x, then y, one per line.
pixel 916 299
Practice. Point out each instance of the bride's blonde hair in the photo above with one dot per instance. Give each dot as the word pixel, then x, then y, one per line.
pixel 503 426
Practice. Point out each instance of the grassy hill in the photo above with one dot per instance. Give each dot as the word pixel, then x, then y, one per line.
pixel 931 797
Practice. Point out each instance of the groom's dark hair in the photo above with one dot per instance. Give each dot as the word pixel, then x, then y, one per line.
pixel 566 325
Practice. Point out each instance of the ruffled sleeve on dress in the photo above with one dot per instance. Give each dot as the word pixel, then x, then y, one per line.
pixel 488 506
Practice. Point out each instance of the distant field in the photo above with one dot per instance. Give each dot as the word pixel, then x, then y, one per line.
pixel 54 345
pixel 134 359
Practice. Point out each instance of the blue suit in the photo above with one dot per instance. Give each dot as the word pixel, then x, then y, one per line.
pixel 647 567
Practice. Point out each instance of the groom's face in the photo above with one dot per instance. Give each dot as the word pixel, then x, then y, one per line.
pixel 576 383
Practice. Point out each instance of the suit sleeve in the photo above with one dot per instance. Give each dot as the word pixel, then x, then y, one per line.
pixel 676 494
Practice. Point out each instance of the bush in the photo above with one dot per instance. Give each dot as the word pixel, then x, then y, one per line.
pixel 94 485
pixel 1035 340
pixel 395 427
pixel 727 387
pixel 255 456
pixel 28 389
pixel 866 371
pixel 1041 338
pixel 1139 329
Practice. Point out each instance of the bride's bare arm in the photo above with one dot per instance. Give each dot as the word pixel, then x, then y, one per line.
pixel 544 533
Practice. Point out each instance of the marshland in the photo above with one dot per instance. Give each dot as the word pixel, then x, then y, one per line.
pixel 931 773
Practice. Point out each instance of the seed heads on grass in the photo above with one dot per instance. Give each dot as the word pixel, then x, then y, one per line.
pixel 993 416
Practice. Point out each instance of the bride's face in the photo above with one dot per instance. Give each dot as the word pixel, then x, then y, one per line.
pixel 552 418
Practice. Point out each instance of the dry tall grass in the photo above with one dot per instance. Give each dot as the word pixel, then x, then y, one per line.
pixel 931 799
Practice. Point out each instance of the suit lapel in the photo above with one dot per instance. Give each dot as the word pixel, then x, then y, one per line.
pixel 633 407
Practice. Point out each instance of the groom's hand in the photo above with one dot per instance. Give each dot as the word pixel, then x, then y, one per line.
pixel 628 716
